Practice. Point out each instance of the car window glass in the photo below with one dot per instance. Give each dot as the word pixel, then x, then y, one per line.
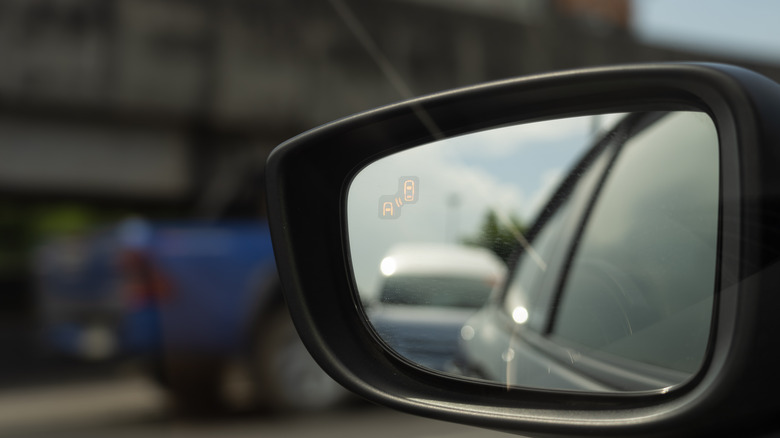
pixel 641 281
pixel 421 290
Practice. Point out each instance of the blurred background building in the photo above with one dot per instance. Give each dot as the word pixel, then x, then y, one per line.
pixel 112 107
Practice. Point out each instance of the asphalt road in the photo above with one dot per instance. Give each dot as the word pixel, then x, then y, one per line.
pixel 130 406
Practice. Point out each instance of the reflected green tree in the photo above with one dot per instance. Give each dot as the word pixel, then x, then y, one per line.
pixel 498 234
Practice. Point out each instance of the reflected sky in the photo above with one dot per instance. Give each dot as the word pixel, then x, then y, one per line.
pixel 510 170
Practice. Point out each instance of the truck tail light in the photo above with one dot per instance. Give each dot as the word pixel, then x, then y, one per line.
pixel 143 284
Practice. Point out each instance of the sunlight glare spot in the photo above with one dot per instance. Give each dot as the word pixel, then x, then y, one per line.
pixel 467 333
pixel 387 266
pixel 520 315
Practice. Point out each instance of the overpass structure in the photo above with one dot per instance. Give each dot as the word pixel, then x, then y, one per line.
pixel 180 101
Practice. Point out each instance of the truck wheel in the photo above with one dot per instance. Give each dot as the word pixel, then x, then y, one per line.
pixel 192 382
pixel 286 377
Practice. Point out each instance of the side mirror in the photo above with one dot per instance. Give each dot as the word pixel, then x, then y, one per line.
pixel 581 253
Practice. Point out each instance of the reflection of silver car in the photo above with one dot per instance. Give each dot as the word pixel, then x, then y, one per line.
pixel 427 293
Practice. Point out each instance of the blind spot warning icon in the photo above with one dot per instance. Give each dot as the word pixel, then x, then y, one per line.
pixel 408 193
pixel 388 210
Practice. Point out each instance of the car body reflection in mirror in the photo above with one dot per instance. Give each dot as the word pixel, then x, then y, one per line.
pixel 624 301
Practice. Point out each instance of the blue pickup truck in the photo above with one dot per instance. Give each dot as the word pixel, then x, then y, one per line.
pixel 198 302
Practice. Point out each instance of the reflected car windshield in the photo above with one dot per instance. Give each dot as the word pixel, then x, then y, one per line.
pixel 435 291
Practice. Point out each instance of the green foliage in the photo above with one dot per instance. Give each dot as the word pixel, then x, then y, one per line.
pixel 497 235
pixel 67 219
pixel 24 226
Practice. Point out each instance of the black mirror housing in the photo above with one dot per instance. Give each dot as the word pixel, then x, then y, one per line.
pixel 308 177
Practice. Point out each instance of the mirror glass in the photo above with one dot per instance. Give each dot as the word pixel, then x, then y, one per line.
pixel 575 254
